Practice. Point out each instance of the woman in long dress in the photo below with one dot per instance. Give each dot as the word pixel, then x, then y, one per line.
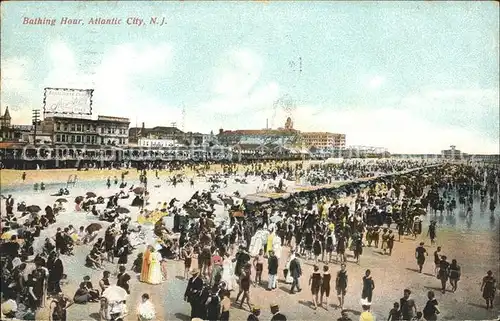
pixel 145 265
pixel 228 273
pixel 155 273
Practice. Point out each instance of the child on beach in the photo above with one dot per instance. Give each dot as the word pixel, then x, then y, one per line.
pixel 395 313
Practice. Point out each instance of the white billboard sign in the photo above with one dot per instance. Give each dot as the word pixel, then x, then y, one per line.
pixel 67 101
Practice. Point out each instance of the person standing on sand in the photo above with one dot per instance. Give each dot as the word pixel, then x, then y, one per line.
pixel 489 287
pixel 368 287
pixel 366 315
pixel 437 260
pixel 325 286
pixel 23 176
pixel 432 232
pixel 344 316
pixel 407 306
pixel 431 309
pixel 296 273
pixel 390 242
pixel 420 254
pixel 444 272
pixel 315 283
pixel 454 275
pixel 341 285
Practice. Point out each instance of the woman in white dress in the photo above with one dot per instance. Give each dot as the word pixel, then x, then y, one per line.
pixel 146 310
pixel 228 273
pixel 155 273
pixel 288 276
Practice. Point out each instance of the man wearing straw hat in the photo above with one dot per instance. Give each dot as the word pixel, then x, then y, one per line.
pixel 254 316
pixel 193 294
pixel 277 315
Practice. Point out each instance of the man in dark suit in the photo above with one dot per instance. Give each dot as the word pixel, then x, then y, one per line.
pixel 56 271
pixel 193 294
pixel 296 273
pixel 277 315
pixel 272 266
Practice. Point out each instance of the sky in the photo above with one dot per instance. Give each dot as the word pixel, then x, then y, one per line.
pixel 413 77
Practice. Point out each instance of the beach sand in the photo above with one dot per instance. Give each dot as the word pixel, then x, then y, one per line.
pixel 476 248
pixel 10 177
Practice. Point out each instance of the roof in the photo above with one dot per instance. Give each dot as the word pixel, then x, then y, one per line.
pixel 11 144
pixel 133 131
pixel 260 132
pixel 113 119
pixel 321 133
pixel 6 115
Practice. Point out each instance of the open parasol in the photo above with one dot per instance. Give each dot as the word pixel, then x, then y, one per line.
pixel 61 200
pixel 122 210
pixel 93 227
pixel 139 190
pixel 33 208
pixel 79 199
pixel 91 194
pixel 114 293
pixel 238 214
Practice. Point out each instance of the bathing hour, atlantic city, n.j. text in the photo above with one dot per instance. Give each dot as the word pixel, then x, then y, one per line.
pixel 129 21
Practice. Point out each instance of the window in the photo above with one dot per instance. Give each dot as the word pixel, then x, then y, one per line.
pixel 72 138
pixel 66 127
pixel 87 139
pixel 58 126
pixel 79 128
pixel 78 139
pixel 63 137
pixel 109 130
pixel 58 138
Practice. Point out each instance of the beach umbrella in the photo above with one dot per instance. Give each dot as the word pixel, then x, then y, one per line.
pixel 93 227
pixel 238 214
pixel 138 190
pixel 33 208
pixel 79 199
pixel 61 200
pixel 91 194
pixel 122 210
pixel 114 293
pixel 275 219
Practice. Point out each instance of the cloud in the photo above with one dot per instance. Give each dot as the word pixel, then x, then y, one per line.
pixel 473 109
pixel 398 130
pixel 16 87
pixel 376 82
pixel 236 85
pixel 117 81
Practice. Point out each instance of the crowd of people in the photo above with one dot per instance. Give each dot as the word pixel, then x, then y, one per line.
pixel 317 226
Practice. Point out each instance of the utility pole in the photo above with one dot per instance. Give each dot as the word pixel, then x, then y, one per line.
pixel 35 120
